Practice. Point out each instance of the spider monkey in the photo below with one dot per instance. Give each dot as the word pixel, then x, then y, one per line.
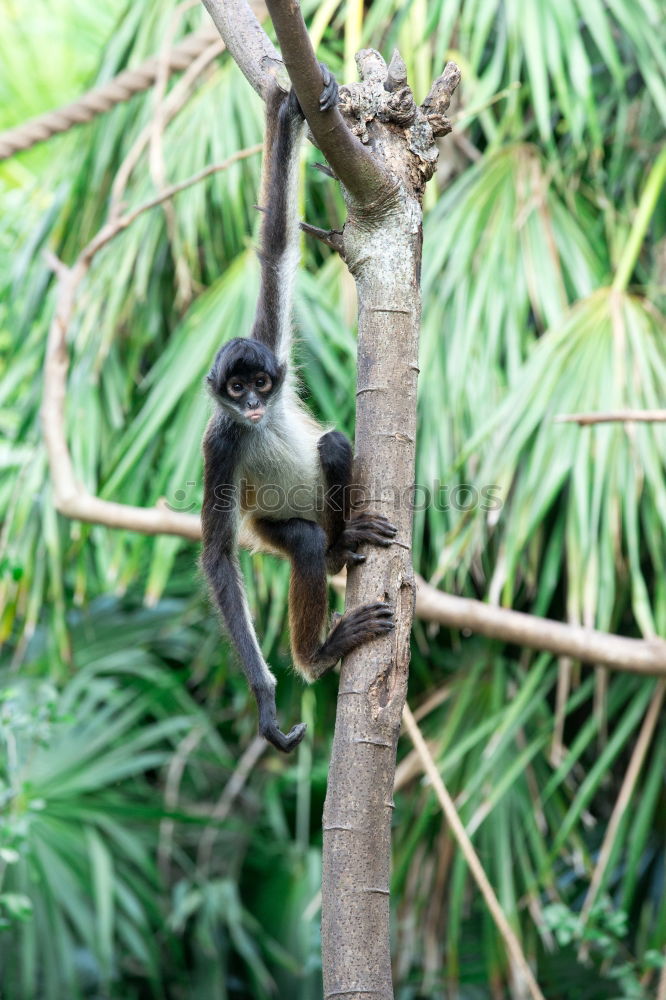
pixel 261 442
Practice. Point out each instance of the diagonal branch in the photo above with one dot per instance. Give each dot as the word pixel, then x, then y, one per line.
pixel 247 42
pixel 519 964
pixel 173 104
pixel 331 237
pixel 353 163
pixel 622 805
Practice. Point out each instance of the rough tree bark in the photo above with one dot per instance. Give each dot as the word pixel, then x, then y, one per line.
pixel 381 146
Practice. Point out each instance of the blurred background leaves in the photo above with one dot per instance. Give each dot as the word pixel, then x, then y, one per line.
pixel 123 720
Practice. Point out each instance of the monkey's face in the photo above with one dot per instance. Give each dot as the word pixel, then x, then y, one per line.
pixel 245 380
pixel 249 394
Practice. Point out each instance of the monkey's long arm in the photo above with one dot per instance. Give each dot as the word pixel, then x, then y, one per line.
pixel 279 253
pixel 219 562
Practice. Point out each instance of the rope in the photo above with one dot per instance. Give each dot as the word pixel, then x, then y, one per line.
pixel 101 99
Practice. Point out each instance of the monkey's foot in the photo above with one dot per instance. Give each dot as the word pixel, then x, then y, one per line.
pixel 356 627
pixel 349 631
pixel 372 529
pixel 369 529
pixel 329 94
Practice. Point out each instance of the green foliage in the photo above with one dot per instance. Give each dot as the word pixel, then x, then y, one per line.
pixel 604 934
pixel 121 726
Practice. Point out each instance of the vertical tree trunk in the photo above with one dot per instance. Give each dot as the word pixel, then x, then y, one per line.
pixel 382 243
pixel 383 250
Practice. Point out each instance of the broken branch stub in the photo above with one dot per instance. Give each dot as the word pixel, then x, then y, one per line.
pixel 383 98
pixel 438 100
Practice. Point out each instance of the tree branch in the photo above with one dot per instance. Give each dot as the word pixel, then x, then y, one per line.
pixel 247 42
pixel 641 656
pixel 613 416
pixel 331 237
pixel 353 163
pixel 71 497
pixel 173 103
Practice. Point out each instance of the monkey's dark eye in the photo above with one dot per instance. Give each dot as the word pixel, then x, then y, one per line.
pixel 235 388
pixel 263 383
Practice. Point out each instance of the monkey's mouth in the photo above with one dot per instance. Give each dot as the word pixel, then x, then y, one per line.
pixel 254 416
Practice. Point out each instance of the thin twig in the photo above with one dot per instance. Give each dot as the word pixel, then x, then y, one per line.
pixel 175 772
pixel 518 961
pixel 623 800
pixel 613 416
pixel 232 790
pixel 174 103
pixel 324 169
pixel 331 237
pixel 118 223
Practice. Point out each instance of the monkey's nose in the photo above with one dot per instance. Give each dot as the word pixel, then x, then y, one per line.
pixel 254 410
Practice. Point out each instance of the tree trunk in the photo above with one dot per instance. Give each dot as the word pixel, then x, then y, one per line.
pixel 382 246
pixel 383 250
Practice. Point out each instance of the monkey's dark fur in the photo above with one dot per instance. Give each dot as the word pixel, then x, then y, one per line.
pixel 260 438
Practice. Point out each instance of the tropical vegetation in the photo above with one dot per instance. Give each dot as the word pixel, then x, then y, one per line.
pixel 149 847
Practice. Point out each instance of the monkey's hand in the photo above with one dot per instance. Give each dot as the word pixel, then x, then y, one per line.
pixel 368 529
pixel 329 93
pixel 268 726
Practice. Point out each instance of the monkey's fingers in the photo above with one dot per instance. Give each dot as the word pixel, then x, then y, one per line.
pixel 269 728
pixel 364 623
pixel 354 536
pixel 375 522
pixel 353 558
pixel 329 94
pixel 286 742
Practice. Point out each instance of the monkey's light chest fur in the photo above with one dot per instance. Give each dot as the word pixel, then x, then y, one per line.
pixel 279 476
